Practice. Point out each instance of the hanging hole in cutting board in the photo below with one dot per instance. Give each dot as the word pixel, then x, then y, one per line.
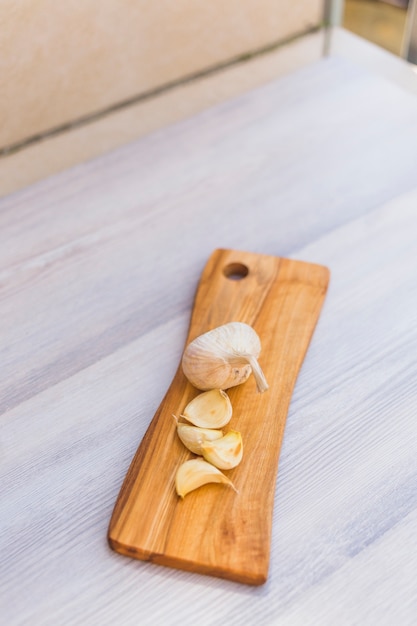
pixel 236 271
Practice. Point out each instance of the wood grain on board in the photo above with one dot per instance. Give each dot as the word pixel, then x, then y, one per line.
pixel 214 530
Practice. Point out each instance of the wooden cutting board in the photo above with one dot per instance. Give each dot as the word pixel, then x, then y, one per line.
pixel 214 530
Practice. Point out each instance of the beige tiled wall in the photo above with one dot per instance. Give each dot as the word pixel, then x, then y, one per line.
pixel 60 61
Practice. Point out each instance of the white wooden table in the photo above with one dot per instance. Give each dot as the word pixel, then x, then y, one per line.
pixel 99 267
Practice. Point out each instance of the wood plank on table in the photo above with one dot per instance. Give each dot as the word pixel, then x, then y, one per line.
pixel 223 532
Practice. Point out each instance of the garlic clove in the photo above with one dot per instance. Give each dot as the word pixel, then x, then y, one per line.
pixel 195 473
pixel 224 357
pixel 226 452
pixel 193 436
pixel 211 409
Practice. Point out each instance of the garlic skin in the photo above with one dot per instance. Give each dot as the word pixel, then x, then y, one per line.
pixel 224 453
pixel 210 409
pixel 193 437
pixel 224 357
pixel 195 473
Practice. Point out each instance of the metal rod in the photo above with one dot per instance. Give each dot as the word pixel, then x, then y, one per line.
pixel 409 47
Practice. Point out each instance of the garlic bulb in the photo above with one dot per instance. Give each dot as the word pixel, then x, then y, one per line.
pixel 193 437
pixel 211 409
pixel 195 473
pixel 224 453
pixel 224 357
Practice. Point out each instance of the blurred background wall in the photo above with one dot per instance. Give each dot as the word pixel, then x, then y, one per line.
pixel 62 61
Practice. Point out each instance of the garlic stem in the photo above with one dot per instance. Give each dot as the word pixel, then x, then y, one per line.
pixel 258 374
